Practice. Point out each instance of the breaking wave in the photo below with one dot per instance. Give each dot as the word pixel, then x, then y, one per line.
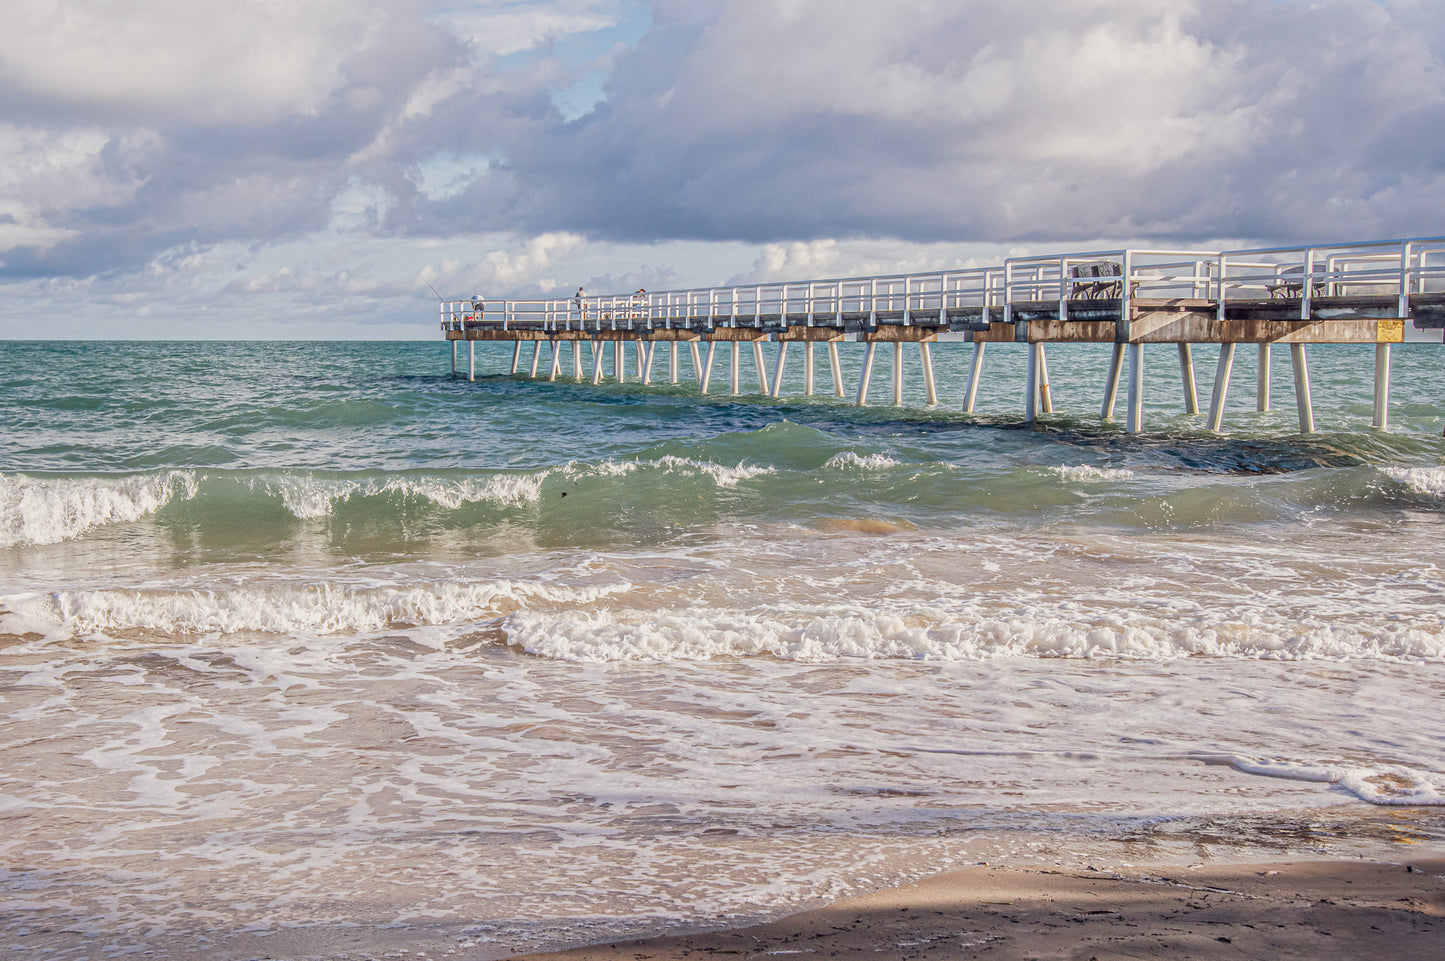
pixel 48 510
pixel 324 609
pixel 605 635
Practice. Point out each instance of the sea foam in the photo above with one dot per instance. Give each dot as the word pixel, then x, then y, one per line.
pixel 307 497
pixel 283 609
pixel 1420 480
pixel 851 460
pixel 1390 784
pixel 958 635
pixel 42 510
pixel 1086 474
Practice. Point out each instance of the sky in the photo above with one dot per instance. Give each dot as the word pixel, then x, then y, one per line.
pixel 313 168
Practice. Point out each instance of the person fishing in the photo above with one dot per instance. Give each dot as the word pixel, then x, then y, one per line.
pixel 580 302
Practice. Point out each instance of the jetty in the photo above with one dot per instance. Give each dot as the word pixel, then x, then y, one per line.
pixel 1348 293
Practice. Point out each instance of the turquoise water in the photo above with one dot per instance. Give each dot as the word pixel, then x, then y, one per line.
pixel 329 640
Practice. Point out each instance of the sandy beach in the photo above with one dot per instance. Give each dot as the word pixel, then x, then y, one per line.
pixel 1321 910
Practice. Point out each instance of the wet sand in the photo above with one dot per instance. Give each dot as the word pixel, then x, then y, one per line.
pixel 1317 910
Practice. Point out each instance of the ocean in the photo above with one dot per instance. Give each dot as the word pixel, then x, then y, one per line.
pixel 307 645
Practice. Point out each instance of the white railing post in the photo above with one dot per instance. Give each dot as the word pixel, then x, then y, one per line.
pixel 1126 291
pixel 1223 272
pixel 1063 289
pixel 1405 251
pixel 1307 284
pixel 1008 292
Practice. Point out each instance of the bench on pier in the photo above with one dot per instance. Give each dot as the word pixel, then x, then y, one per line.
pixel 1097 289
pixel 1290 283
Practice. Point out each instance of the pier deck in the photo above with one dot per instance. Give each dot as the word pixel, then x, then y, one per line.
pixel 1356 293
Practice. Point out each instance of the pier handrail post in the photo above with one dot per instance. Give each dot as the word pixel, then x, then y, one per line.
pixel 811 288
pixel 1126 291
pixel 1405 253
pixel 872 301
pixel 1063 289
pixel 1008 291
pixel 1308 284
pixel 1223 271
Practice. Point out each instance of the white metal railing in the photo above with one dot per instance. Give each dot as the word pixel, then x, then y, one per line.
pixel 1395 268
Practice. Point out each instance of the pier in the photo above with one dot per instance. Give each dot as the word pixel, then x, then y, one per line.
pixel 1350 293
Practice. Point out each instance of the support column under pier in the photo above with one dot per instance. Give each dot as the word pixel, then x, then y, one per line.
pixel 1382 387
pixel 925 353
pixel 974 372
pixel 1302 388
pixel 1031 386
pixel 897 374
pixel 1221 386
pixel 1261 387
pixel 1111 383
pixel 1186 374
pixel 1046 400
pixel 778 370
pixel 866 374
pixel 1135 422
pixel 707 368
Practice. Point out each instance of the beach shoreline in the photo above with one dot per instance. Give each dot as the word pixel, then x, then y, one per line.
pixel 1319 909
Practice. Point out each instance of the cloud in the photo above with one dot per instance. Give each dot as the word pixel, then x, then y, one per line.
pixel 139 128
pixel 504 272
pixel 831 136
pixel 772 121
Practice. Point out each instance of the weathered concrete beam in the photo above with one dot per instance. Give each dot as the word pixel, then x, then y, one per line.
pixel 997 333
pixel 1170 327
pixel 1198 329
pixel 896 334
pixel 816 335
pixel 735 335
